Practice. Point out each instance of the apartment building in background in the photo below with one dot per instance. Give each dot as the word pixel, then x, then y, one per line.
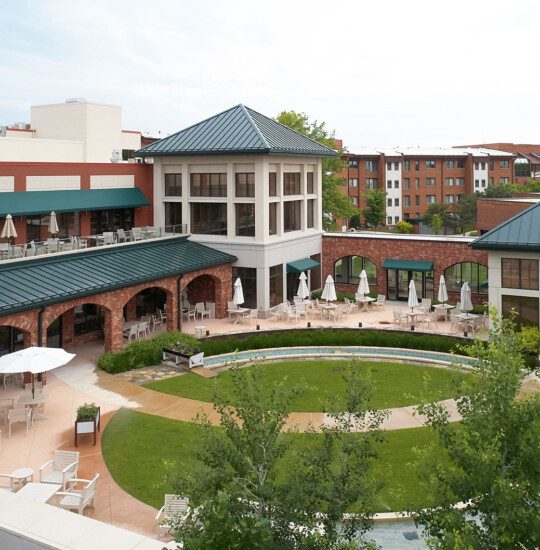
pixel 415 178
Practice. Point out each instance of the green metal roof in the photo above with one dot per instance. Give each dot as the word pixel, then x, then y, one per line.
pixel 302 265
pixel 521 232
pixel 35 282
pixel 237 130
pixel 408 265
pixel 29 203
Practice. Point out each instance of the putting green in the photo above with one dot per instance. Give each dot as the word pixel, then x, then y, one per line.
pixel 395 384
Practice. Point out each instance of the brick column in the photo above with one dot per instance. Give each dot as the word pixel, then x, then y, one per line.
pixel 112 329
pixel 131 309
pixel 68 328
pixel 172 311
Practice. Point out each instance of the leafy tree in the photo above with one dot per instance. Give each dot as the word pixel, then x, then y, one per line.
pixel 465 211
pixel 375 211
pixel 498 191
pixel 491 457
pixel 436 224
pixel 404 227
pixel 355 221
pixel 335 204
pixel 532 186
pixel 447 216
pixel 254 487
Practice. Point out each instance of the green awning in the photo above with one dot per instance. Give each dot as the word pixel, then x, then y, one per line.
pixel 408 265
pixel 302 265
pixel 31 203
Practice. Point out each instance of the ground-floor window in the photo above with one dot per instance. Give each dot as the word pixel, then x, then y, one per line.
pixel 37 227
pixel 88 318
pixel 524 307
pixel 398 280
pixel 347 270
pixel 475 274
pixel 111 220
pixel 276 285
pixel 209 218
pixel 11 339
pixel 173 214
pixel 248 276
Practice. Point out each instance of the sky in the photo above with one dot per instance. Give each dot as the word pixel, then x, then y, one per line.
pixel 384 73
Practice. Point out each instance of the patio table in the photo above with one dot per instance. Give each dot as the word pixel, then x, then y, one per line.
pixel 445 309
pixel 238 312
pixel 39 492
pixel 365 302
pixel 412 315
pixel 327 308
pixel 40 398
pixel 467 316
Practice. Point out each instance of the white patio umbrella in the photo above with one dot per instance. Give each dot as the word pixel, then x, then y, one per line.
pixel 363 285
pixel 53 224
pixel 35 360
pixel 443 295
pixel 412 302
pixel 303 290
pixel 238 297
pixel 466 303
pixel 329 290
pixel 8 230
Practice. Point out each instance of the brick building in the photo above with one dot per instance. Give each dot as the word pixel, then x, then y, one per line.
pixel 415 178
pixel 392 260
pixel 492 212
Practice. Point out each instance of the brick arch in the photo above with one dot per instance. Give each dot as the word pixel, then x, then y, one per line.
pixel 464 261
pixel 53 312
pixel 26 332
pixel 168 286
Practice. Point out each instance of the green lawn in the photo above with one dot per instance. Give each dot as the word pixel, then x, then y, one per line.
pixel 136 445
pixel 395 384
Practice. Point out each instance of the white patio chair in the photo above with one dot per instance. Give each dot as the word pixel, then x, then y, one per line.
pixel 108 237
pixel 429 318
pixel 61 469
pixel 156 321
pixel 231 307
pixel 20 414
pixel 300 310
pixel 137 233
pixel 400 318
pixel 202 311
pixel 379 302
pixel 7 486
pixel 338 313
pixel 456 324
pixel 292 314
pixel 143 329
pixel 192 313
pixel 4 251
pixel 131 333
pixel 5 406
pixel 351 306
pixel 174 509
pixel 426 302
pixel 121 236
pixel 274 313
pixel 249 316
pixel 211 307
pixel 79 499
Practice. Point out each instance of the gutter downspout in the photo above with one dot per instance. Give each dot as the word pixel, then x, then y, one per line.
pixel 40 326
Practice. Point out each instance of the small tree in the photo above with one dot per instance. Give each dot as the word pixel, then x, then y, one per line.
pixel 404 227
pixel 436 224
pixel 375 211
pixel 465 211
pixel 354 221
pixel 443 210
pixel 490 461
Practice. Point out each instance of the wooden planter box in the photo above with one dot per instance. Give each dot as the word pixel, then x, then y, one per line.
pixel 88 427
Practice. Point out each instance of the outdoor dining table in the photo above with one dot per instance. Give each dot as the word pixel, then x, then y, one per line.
pixel 238 312
pixel 412 315
pixel 26 400
pixel 467 316
pixel 365 301
pixel 39 492
pixel 327 307
pixel 445 309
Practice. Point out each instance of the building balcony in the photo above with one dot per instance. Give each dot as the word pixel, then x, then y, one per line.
pixel 36 249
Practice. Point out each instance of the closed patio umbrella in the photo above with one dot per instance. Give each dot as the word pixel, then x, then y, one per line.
pixel 466 303
pixel 303 290
pixel 53 224
pixel 363 285
pixel 412 302
pixel 8 230
pixel 238 297
pixel 443 295
pixel 35 360
pixel 329 290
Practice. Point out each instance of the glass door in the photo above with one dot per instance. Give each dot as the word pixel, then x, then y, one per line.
pixel 403 278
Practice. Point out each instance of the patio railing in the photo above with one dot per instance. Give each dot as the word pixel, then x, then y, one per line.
pixel 107 238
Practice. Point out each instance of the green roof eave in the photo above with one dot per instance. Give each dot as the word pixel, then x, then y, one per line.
pixel 302 265
pixel 30 203
pixel 408 265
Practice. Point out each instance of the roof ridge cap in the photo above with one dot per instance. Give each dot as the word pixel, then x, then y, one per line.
pixel 253 124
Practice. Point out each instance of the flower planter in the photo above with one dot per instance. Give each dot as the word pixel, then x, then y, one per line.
pixel 83 427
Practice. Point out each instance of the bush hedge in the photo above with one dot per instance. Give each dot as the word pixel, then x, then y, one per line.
pixel 143 353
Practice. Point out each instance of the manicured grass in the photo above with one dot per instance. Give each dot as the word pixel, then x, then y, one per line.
pixel 395 384
pixel 137 445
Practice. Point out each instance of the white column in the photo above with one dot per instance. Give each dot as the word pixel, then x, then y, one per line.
pixel 261 199
pixel 279 183
pixel 317 184
pixel 186 194
pixel 303 204
pixel 159 207
pixel 263 288
pixel 231 214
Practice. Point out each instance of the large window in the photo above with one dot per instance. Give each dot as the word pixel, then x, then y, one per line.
pixel 315 274
pixel 209 218
pixel 208 185
pixel 522 169
pixel 272 184
pixel 276 285
pixel 311 213
pixel 245 220
pixel 517 273
pixel 291 183
pixel 347 270
pixel 291 216
pixel 310 182
pixel 524 307
pixel 173 185
pixel 371 165
pixel 272 218
pixel 248 276
pixel 245 184
pixel 11 339
pixel 37 227
pixel 111 220
pixel 173 213
pixel 475 274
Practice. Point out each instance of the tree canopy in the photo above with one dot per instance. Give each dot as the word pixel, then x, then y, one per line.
pixel 375 211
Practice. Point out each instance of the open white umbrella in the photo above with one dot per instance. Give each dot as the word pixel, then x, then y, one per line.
pixel 8 230
pixel 363 285
pixel 443 295
pixel 35 360
pixel 53 224
pixel 303 290
pixel 466 303
pixel 412 302
pixel 238 297
pixel 329 290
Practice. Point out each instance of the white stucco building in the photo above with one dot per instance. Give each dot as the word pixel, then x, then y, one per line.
pixel 249 186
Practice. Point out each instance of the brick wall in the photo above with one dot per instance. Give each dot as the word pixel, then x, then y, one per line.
pixel 443 254
pixel 492 212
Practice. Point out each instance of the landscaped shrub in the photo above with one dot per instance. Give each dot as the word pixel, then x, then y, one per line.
pixel 143 353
